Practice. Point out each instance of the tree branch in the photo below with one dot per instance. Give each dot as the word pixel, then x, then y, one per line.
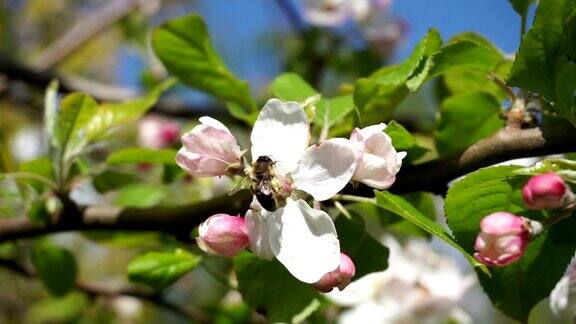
pixel 432 177
pixel 94 290
pixel 86 27
pixel 14 70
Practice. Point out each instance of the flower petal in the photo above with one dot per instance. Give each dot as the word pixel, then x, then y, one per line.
pixel 281 132
pixel 325 168
pixel 257 230
pixel 304 240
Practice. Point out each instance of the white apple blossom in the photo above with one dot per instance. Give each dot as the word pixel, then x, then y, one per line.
pixel 302 238
pixel 419 286
pixel 329 13
pixel 378 161
pixel 563 297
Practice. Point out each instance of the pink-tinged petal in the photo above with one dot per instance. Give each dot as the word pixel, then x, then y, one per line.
pixel 503 238
pixel 378 161
pixel 223 235
pixel 325 168
pixel 340 277
pixel 257 229
pixel 157 132
pixel 281 132
pixel 304 240
pixel 209 149
pixel 546 191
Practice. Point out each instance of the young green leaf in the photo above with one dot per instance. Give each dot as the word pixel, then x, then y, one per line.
pixel 111 115
pixel 404 141
pixel 368 254
pixel 464 55
pixel 267 285
pixel 161 269
pixel 516 288
pixel 292 87
pixel 468 117
pixel 56 267
pixel 141 195
pixel 75 113
pixel 51 113
pixel 541 48
pixel 331 111
pixel 401 207
pixel 142 155
pixel 183 45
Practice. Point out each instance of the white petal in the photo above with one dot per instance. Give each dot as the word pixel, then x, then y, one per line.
pixel 304 240
pixel 258 232
pixel 325 168
pixel 281 132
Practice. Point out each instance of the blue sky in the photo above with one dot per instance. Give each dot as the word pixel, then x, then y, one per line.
pixel 246 32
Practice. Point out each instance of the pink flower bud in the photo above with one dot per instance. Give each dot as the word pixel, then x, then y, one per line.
pixel 546 191
pixel 377 160
pixel 209 149
pixel 502 240
pixel 340 277
pixel 223 235
pixel 157 132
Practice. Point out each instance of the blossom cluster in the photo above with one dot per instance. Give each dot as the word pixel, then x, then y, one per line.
pixel 503 236
pixel 372 16
pixel 285 167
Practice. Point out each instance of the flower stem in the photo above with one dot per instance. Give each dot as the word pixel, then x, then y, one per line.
pixel 354 198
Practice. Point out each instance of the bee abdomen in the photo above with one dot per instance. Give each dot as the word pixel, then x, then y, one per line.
pixel 267 202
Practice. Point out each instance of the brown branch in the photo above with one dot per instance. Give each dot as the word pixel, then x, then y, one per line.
pixel 14 70
pixel 432 177
pixel 177 221
pixel 95 290
pixel 86 27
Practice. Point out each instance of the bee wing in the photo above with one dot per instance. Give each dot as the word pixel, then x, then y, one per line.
pixel 264 187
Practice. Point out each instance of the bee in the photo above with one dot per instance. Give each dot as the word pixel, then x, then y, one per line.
pixel 262 188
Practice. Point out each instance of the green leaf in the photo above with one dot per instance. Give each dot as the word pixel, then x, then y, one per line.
pixel 565 89
pixel 292 87
pixel 516 288
pixel 267 286
pixel 112 180
pixel 331 111
pixel 161 269
pixel 401 207
pixel 42 167
pixel 56 267
pixel 521 6
pixel 465 119
pixel 402 140
pixel 51 113
pixel 464 55
pixel 368 254
pixel 183 45
pixel 75 113
pixel 377 96
pixel 142 155
pixel 111 115
pixel 66 309
pixel 571 36
pixel 141 195
pixel 541 48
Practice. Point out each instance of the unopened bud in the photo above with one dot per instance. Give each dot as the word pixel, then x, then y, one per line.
pixel 502 239
pixel 223 235
pixel 546 191
pixel 340 277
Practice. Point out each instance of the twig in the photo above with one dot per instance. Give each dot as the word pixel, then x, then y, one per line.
pixel 40 79
pixel 292 15
pixel 85 28
pixel 95 290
